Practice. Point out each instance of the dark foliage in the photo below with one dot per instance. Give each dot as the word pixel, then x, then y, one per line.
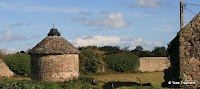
pixel 156 52
pixel 122 62
pixel 138 49
pixel 19 63
pixel 110 49
pixel 160 51
pixel 91 60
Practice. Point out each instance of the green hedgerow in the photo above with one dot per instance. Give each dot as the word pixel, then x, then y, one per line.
pixel 19 63
pixel 122 62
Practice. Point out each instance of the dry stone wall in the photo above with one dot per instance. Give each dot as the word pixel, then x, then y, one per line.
pixel 54 67
pixel 151 64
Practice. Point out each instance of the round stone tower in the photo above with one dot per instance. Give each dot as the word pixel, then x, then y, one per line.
pixel 54 59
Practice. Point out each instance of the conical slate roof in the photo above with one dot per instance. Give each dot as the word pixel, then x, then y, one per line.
pixel 54 45
pixel 54 32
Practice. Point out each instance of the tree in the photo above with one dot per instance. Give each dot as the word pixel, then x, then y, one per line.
pixel 137 49
pixel 91 60
pixel 126 49
pixel 110 49
pixel 146 53
pixel 160 51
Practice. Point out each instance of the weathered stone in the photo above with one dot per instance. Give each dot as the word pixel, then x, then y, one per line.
pixel 151 64
pixel 54 59
pixel 4 70
pixel 188 55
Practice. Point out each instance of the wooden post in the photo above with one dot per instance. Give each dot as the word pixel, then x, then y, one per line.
pixel 181 15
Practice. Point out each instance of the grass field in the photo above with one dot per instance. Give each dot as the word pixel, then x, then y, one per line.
pixel 154 78
pixel 118 81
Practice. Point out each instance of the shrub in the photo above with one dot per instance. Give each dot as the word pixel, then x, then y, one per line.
pixel 91 60
pixel 84 83
pixel 122 62
pixel 20 85
pixel 18 63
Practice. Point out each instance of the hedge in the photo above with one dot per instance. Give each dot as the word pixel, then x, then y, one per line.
pixel 123 62
pixel 19 63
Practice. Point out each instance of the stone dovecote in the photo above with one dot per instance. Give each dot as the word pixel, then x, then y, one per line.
pixel 54 59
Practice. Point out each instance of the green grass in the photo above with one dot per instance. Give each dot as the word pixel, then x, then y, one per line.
pixel 155 78
pixel 151 80
pixel 14 78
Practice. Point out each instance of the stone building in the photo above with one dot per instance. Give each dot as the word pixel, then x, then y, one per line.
pixel 184 54
pixel 4 70
pixel 54 59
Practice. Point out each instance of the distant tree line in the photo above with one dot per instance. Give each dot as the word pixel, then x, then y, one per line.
pixel 139 51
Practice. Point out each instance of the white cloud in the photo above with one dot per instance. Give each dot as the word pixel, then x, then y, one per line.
pixel 7 36
pixel 147 3
pixel 130 42
pixel 9 50
pixel 113 20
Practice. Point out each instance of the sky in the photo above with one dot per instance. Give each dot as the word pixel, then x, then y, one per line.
pixel 124 23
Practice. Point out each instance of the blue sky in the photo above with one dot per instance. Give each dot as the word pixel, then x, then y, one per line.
pixel 149 23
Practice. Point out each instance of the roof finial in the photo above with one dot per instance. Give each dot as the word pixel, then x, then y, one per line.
pixel 53 25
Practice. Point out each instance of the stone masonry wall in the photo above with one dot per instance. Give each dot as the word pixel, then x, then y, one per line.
pixel 151 64
pixel 190 51
pixel 184 54
pixel 54 67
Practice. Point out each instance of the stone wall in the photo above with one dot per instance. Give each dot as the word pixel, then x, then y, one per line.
pixel 151 64
pixel 54 67
pixel 184 53
pixel 4 70
pixel 190 51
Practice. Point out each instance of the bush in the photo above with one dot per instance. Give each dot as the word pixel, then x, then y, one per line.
pixel 83 83
pixel 19 63
pixel 122 62
pixel 20 85
pixel 91 60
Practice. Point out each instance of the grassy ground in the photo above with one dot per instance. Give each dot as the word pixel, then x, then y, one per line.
pixel 154 78
pixel 14 78
pixel 120 81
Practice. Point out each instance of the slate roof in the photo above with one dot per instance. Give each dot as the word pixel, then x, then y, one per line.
pixel 54 32
pixel 54 45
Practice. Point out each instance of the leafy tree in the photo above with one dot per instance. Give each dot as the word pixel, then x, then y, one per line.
pixel 160 51
pixel 138 49
pixel 126 49
pixel 110 49
pixel 91 60
pixel 146 53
